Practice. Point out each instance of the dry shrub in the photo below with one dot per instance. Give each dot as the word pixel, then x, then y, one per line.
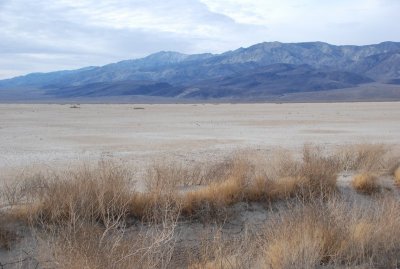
pixel 237 182
pixel 84 245
pixel 100 238
pixel 363 157
pixel 287 187
pixel 171 175
pixel 12 193
pixel 335 234
pixel 232 251
pixel 366 183
pixel 212 199
pixel 23 189
pixel 152 206
pixel 100 194
pixel 373 233
pixel 397 176
pixel 300 238
pixel 92 194
pixel 317 175
pixel 314 176
pixel 281 164
pixel 263 189
pixel 258 190
pixel 81 215
pixel 217 196
pixel 225 180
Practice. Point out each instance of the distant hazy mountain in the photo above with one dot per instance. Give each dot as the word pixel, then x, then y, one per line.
pixel 260 71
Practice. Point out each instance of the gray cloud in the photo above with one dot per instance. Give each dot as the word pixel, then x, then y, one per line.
pixel 45 35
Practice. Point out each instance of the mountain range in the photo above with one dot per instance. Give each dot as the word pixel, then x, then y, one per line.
pixel 265 71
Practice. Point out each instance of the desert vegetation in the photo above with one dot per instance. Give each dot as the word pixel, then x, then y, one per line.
pixel 284 210
pixel 366 183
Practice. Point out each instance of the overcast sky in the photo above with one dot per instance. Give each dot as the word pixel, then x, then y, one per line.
pixel 46 35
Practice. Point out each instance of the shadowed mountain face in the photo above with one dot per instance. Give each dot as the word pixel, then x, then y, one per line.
pixel 262 70
pixel 273 80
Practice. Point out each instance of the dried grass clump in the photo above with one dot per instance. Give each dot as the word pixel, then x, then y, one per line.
pixel 95 236
pixel 335 234
pixel 216 249
pixel 366 183
pixel 172 175
pixel 217 196
pixel 318 173
pixel 302 238
pixel 263 189
pixel 280 164
pixel 313 176
pixel 192 191
pixel 152 206
pixel 363 157
pixel 92 194
pixel 22 190
pixel 84 245
pixel 373 233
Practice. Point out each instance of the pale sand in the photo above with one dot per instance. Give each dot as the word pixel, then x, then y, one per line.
pixel 57 135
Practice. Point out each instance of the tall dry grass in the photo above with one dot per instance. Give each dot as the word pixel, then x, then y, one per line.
pixel 217 196
pixel 93 217
pixel 299 239
pixel 314 176
pixel 97 194
pixel 335 234
pixel 210 186
pixel 104 193
pixel 364 157
pixel 230 251
pixel 172 175
pixel 85 245
pixel 81 218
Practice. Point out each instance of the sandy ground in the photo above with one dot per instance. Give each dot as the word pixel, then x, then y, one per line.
pixel 52 135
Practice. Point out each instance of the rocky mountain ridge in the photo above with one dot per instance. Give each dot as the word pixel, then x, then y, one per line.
pixel 265 69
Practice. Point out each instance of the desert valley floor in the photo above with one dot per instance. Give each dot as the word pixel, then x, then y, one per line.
pixel 52 135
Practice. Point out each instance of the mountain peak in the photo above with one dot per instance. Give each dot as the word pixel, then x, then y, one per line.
pixel 167 57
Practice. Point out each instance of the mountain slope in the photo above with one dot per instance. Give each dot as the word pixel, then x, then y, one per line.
pixel 275 79
pixel 255 71
pixel 120 88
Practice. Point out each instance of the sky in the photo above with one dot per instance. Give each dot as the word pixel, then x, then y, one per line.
pixel 48 35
